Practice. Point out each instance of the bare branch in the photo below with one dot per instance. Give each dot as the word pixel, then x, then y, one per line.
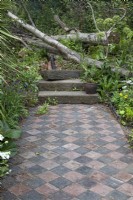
pixel 61 23
pixel 123 16
pixel 39 43
pixel 64 26
pixel 28 14
pixel 93 16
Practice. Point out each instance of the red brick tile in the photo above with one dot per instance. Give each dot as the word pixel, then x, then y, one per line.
pixel 26 165
pixel 46 189
pixel 95 164
pixel 23 177
pixel 49 154
pixel 49 164
pixel 93 155
pixel 70 139
pixel 74 189
pixel 115 155
pixel 98 176
pixel 73 176
pixel 48 176
pixel 52 139
pixel 73 165
pixel 71 155
pixel 118 164
pixel 71 146
pixel 112 146
pixel 101 189
pixel 28 154
pixel 19 189
pixel 123 176
pixel 127 189
pixel 49 146
pixel 109 138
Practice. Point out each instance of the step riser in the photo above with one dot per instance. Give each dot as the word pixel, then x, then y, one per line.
pixel 71 100
pixel 60 86
pixel 60 74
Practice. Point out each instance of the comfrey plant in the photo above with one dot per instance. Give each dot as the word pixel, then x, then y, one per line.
pixel 123 101
pixel 7 146
pixel 4 156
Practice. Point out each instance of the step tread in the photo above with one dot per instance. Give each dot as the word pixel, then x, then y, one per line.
pixel 64 93
pixel 61 81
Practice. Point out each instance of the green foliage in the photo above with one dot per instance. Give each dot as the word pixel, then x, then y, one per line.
pixel 43 109
pixel 8 147
pixel 19 89
pixel 123 101
pixel 52 101
pixel 130 139
pixel 90 74
pixel 74 45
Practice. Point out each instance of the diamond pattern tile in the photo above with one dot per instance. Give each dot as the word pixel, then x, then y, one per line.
pixel 75 152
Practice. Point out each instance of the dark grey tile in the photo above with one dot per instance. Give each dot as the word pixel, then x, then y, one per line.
pixel 7 196
pixel 60 150
pixel 83 159
pixel 84 170
pixel 109 170
pixel 36 170
pixel 35 182
pixel 89 196
pixel 32 195
pixel 82 150
pixel 87 182
pixel 60 170
pixel 102 150
pixel 127 159
pixel 61 159
pixel 116 195
pixel 60 196
pixel 105 159
pixel 112 182
pixel 60 182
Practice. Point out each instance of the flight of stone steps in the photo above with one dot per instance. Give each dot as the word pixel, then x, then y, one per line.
pixel 65 87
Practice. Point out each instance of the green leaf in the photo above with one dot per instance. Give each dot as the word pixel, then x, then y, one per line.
pixel 11 146
pixel 13 134
pixel 122 112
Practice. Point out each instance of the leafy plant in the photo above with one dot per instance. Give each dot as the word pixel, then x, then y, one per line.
pixel 130 139
pixel 52 101
pixel 123 101
pixel 43 109
pixel 8 147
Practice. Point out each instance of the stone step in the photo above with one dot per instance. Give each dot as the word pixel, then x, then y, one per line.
pixel 65 97
pixel 60 74
pixel 62 85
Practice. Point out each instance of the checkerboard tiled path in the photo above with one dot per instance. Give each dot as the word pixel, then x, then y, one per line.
pixel 75 152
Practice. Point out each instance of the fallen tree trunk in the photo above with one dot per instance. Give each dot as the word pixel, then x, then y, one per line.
pixel 91 38
pixel 63 50
pixel 68 53
pixel 39 43
pixel 102 38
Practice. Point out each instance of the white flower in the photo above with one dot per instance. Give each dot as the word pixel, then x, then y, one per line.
pixel 6 142
pixel 1 137
pixel 124 87
pixel 129 81
pixel 5 155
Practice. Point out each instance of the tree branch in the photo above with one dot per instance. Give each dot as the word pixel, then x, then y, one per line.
pixel 123 16
pixel 93 16
pixel 28 14
pixel 61 23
